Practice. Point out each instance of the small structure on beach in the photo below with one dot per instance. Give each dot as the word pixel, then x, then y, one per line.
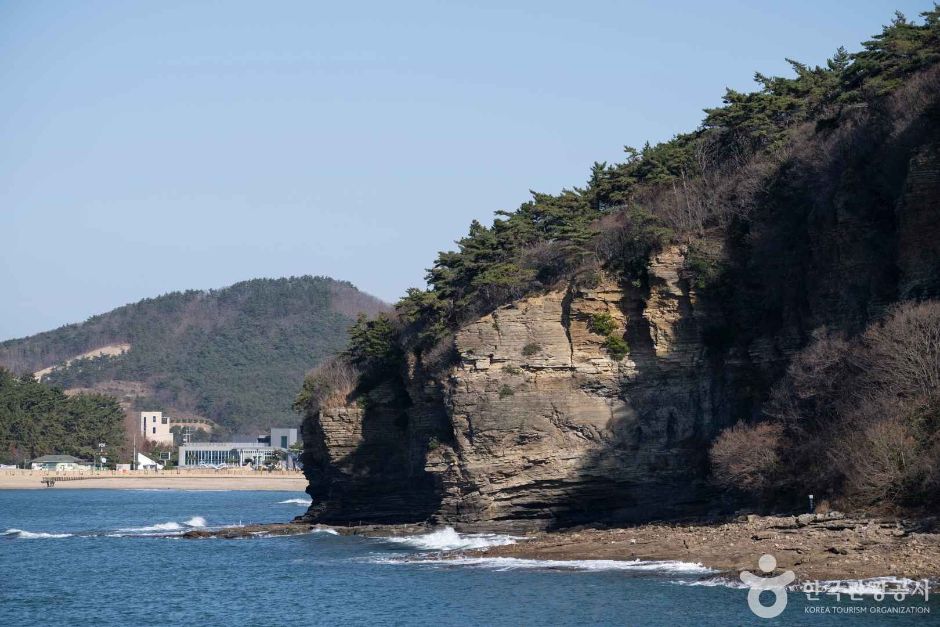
pixel 60 462
pixel 145 463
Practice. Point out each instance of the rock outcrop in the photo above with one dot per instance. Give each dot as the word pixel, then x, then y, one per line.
pixel 538 424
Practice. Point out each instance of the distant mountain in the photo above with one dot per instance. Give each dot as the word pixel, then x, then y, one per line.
pixel 236 355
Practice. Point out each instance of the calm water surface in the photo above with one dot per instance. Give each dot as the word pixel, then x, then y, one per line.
pixel 90 557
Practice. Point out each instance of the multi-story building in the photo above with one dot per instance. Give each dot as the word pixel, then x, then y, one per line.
pixel 155 427
pixel 281 437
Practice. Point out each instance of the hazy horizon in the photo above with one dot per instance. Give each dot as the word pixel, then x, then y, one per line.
pixel 173 146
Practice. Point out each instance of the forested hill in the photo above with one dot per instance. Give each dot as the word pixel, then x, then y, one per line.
pixel 234 355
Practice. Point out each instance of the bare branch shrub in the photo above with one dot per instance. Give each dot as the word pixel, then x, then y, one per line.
pixel 877 454
pixel 861 417
pixel 745 457
pixel 902 353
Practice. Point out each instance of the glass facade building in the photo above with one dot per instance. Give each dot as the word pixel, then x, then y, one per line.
pixel 234 453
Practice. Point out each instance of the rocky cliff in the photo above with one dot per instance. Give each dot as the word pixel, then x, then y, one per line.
pixel 538 424
pixel 544 417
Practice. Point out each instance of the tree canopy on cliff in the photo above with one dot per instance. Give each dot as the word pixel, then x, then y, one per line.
pixel 38 419
pixel 678 188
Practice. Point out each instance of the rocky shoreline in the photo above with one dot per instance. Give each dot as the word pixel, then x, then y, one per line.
pixel 829 546
pixel 814 547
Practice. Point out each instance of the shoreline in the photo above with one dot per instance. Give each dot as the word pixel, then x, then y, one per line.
pixel 149 480
pixel 823 547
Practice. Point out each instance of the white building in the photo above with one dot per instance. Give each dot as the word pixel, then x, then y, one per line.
pixel 155 427
pixel 234 453
pixel 280 437
pixel 59 462
pixel 145 463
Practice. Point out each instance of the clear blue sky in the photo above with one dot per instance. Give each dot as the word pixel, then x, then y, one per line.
pixel 156 146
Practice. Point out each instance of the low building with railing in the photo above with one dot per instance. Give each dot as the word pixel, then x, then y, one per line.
pixel 229 453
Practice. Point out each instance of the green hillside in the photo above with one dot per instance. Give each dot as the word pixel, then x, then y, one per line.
pixel 235 355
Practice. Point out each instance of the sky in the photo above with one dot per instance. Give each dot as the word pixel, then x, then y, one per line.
pixel 149 147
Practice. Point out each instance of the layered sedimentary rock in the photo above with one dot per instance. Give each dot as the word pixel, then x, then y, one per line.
pixel 538 424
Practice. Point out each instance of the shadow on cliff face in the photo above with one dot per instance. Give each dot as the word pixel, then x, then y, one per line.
pixel 380 479
pixel 841 231
pixel 655 464
pixel 846 228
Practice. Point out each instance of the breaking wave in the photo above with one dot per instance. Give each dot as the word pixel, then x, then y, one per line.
pixel 517 563
pixel 712 582
pixel 304 502
pixel 164 528
pixel 514 563
pixel 32 535
pixel 447 539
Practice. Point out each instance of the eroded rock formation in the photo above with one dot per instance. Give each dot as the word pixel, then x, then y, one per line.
pixel 538 423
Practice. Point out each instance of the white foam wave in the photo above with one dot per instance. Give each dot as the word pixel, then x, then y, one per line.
pixel 163 528
pixel 447 539
pixel 516 563
pixel 712 582
pixel 332 532
pixel 167 526
pixel 33 535
pixel 304 502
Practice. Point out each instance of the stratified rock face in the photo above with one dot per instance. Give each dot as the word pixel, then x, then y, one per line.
pixel 361 466
pixel 919 227
pixel 538 424
pixel 549 428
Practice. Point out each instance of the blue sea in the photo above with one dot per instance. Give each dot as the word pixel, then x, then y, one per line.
pixel 113 557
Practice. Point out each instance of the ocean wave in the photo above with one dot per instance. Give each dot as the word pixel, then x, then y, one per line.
pixel 167 526
pixel 304 502
pixel 447 539
pixel 712 582
pixel 32 535
pixel 516 563
pixel 327 530
pixel 162 528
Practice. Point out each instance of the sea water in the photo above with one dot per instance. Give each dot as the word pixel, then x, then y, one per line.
pixel 115 557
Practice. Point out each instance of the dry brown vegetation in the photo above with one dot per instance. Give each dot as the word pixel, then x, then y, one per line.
pixel 856 419
pixel 329 384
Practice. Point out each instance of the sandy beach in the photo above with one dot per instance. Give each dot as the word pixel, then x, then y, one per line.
pixel 163 480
